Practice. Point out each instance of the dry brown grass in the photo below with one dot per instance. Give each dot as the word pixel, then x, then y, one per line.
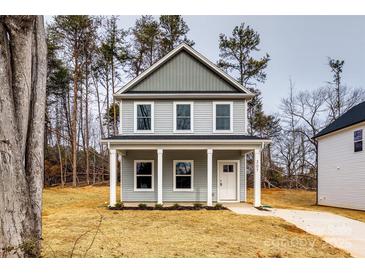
pixel 73 215
pixel 301 199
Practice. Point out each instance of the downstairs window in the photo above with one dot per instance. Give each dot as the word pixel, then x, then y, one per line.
pixel 143 175
pixel 183 175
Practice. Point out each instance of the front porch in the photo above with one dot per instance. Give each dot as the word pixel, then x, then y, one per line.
pixel 207 183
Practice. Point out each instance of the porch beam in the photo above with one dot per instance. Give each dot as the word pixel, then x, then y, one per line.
pixel 257 177
pixel 209 176
pixel 112 177
pixel 159 175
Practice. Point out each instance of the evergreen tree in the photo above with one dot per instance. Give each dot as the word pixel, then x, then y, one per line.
pixel 145 45
pixel 174 31
pixel 236 57
pixel 71 33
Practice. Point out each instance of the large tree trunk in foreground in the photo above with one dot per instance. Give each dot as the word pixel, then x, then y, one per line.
pixel 22 111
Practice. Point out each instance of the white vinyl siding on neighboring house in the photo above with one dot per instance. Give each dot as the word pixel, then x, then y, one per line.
pixel 341 170
pixel 201 117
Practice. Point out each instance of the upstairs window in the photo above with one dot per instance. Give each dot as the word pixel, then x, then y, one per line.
pixel 183 116
pixel 143 116
pixel 183 175
pixel 143 175
pixel 223 116
pixel 358 140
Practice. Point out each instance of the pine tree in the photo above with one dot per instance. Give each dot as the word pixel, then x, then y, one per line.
pixel 236 57
pixel 145 45
pixel 174 31
pixel 72 32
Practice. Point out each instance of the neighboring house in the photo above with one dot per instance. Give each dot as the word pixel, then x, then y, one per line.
pixel 183 134
pixel 341 161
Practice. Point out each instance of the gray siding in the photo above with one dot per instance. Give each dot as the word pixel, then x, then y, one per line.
pixel 203 117
pixel 183 73
pixel 200 170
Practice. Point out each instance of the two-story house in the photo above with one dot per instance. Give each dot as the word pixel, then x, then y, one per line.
pixel 183 134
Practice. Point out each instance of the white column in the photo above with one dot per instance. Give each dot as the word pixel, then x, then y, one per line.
pixel 159 175
pixel 113 176
pixel 209 176
pixel 121 176
pixel 257 178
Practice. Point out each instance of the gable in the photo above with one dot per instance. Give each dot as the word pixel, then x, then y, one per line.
pixel 183 73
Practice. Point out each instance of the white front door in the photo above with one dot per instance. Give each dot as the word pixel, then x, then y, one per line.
pixel 227 181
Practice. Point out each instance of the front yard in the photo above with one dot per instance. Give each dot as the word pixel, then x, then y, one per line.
pixel 77 223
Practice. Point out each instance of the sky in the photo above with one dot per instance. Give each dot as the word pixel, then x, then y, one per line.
pixel 299 47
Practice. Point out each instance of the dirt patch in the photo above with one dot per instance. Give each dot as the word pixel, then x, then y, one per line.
pixel 292 228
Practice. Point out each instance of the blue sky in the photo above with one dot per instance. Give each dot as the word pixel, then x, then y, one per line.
pixel 298 47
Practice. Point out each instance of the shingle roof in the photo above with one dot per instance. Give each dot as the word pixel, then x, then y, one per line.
pixel 353 116
pixel 184 137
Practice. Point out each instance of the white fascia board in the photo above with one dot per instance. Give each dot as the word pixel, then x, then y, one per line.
pixel 197 55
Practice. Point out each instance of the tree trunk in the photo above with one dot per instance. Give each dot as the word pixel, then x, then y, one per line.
pixel 87 137
pixel 74 122
pixel 23 68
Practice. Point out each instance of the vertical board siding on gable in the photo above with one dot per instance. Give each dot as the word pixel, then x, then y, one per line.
pixel 200 175
pixel 183 73
pixel 203 117
pixel 341 171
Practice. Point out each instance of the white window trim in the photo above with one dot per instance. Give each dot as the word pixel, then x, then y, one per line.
pixel 192 176
pixel 136 103
pixel 231 116
pixel 362 140
pixel 191 116
pixel 135 176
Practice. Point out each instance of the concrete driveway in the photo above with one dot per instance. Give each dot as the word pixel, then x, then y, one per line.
pixel 339 231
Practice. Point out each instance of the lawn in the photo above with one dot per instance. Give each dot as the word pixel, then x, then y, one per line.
pixel 301 199
pixel 77 223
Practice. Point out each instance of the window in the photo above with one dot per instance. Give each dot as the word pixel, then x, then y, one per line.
pixel 143 175
pixel 228 168
pixel 222 116
pixel 183 175
pixel 358 140
pixel 143 112
pixel 183 116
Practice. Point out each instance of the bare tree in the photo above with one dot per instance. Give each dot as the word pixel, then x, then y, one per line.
pixel 22 110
